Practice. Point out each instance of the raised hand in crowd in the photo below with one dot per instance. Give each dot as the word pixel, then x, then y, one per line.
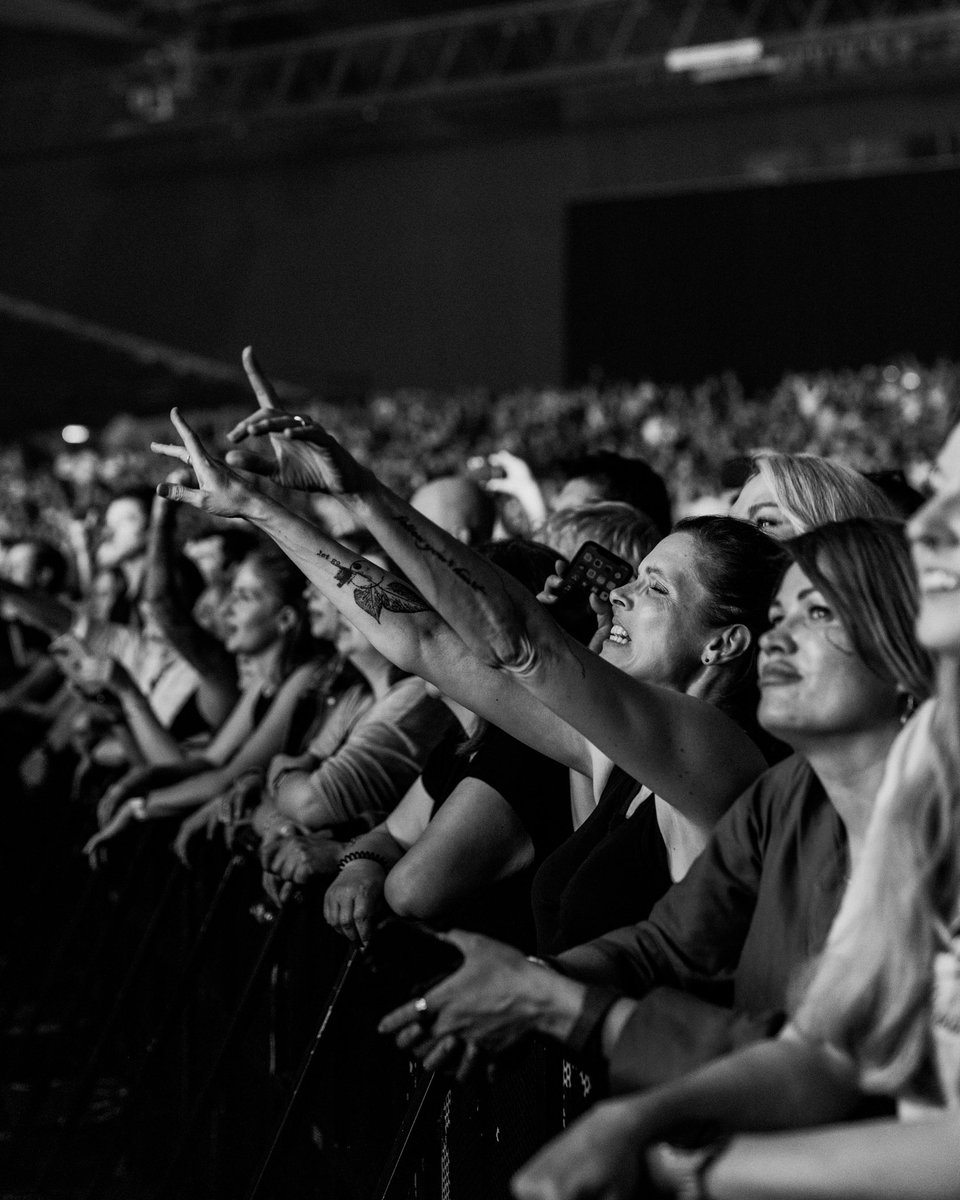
pixel 518 482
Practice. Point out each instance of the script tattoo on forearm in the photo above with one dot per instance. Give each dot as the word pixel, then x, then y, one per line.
pixel 421 543
pixel 373 598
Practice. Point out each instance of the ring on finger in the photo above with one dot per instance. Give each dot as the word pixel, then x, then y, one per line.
pixel 298 420
pixel 420 1006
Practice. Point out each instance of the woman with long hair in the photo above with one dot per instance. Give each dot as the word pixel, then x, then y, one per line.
pixel 881 1015
pixel 266 626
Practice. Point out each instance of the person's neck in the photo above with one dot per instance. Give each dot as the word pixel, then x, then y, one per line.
pixel 850 767
pixel 133 570
pixel 378 671
pixel 263 667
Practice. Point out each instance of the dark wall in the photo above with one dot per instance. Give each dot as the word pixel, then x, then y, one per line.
pixel 828 274
pixel 436 264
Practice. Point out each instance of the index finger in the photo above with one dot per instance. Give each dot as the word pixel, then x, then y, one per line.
pixel 190 440
pixel 262 387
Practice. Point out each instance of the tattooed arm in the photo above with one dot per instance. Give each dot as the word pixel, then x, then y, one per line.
pixel 692 755
pixel 389 612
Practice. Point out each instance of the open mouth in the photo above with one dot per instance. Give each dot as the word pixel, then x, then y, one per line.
pixel 618 635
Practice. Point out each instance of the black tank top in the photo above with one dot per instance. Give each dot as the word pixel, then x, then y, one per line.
pixel 609 873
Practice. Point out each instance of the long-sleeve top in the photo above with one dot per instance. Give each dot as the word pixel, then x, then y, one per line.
pixel 370 757
pixel 751 912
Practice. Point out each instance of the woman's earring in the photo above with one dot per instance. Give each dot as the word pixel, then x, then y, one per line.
pixel 706 658
pixel 908 706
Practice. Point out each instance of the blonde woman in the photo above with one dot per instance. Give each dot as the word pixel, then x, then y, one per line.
pixel 882 1014
pixel 788 494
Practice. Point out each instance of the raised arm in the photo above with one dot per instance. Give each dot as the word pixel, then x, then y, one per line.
pixel 683 748
pixel 392 615
pixel 217 690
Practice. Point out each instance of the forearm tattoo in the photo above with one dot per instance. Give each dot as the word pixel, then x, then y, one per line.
pixel 421 543
pixel 373 598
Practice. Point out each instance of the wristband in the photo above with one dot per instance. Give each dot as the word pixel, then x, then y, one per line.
pixel 356 855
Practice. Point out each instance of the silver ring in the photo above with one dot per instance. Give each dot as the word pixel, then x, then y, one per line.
pixel 420 1005
pixel 300 420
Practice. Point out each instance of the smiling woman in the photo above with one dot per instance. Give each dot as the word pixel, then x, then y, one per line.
pixel 882 1014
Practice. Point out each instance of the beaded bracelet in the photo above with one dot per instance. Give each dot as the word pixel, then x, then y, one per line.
pixel 356 855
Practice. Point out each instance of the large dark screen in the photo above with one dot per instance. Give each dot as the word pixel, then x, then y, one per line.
pixel 764 279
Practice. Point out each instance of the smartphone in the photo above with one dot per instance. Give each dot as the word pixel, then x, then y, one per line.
pixel 480 468
pixel 594 569
pixel 409 959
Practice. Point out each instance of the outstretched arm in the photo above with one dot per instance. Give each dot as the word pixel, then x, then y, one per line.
pixel 392 615
pixel 685 749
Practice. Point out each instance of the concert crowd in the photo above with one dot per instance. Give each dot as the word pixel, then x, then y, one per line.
pixel 553 795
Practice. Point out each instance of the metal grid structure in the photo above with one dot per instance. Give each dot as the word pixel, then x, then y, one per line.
pixel 359 74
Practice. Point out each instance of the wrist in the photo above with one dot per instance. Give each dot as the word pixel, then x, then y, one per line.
pixel 556 1001
pixel 367 860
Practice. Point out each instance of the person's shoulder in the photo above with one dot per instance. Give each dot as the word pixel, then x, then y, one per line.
pixel 789 780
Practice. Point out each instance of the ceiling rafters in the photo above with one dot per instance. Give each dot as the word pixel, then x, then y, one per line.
pixel 477 55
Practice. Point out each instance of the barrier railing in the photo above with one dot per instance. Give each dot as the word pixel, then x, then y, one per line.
pixel 184 1038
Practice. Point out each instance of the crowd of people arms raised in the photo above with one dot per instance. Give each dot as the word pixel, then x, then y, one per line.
pixel 703 833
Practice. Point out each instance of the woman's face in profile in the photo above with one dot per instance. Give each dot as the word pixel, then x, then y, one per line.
pixel 252 614
pixel 935 537
pixel 656 634
pixel 758 505
pixel 813 684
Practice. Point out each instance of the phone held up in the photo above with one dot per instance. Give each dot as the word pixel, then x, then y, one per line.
pixel 595 569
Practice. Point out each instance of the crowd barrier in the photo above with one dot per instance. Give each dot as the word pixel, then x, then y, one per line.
pixel 170 1033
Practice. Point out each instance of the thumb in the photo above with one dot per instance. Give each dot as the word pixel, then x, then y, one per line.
pixel 184 495
pixel 248 460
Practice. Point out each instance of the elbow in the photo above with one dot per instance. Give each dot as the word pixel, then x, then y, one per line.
pixel 405 893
